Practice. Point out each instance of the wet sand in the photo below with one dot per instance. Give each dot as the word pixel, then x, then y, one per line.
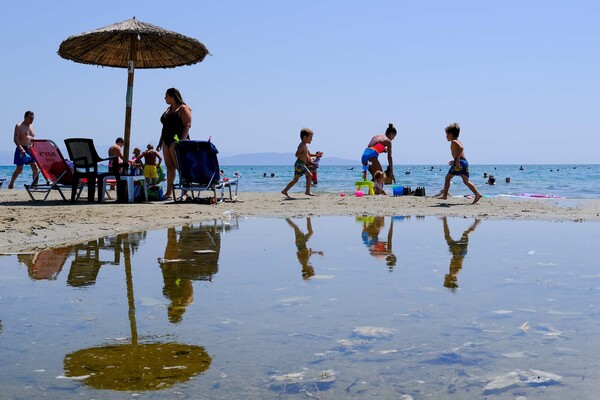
pixel 26 225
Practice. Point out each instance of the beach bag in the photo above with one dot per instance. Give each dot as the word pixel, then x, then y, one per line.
pixel 155 193
pixel 420 191
pixel 138 194
pixel 27 159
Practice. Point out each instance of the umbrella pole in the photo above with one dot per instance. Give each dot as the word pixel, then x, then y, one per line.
pixel 129 99
pixel 130 298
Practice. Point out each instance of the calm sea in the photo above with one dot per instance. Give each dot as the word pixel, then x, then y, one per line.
pixel 575 181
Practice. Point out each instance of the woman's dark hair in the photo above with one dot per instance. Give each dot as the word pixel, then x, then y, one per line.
pixel 174 93
pixel 391 129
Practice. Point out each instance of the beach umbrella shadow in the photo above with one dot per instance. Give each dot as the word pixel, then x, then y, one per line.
pixel 139 365
pixel 132 44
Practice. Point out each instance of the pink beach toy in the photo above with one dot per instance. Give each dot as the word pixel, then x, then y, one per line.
pixel 359 193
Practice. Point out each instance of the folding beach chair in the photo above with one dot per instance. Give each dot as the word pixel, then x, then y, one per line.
pixel 47 263
pixel 54 168
pixel 198 168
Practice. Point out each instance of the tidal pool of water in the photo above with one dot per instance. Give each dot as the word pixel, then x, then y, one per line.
pixel 322 307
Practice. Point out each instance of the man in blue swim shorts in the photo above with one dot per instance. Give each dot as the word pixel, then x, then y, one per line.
pixel 23 140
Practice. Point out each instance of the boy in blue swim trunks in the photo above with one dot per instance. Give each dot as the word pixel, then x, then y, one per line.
pixel 458 165
pixel 303 159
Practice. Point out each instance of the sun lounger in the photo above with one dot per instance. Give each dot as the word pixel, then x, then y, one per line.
pixel 54 168
pixel 198 168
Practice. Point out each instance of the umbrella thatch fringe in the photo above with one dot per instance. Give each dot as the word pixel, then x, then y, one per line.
pixel 110 46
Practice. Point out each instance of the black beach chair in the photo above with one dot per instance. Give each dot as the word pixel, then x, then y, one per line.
pixel 85 162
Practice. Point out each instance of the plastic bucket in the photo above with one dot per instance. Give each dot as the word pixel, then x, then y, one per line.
pixel 397 190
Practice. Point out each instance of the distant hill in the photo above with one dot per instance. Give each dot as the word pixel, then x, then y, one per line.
pixel 277 159
pixel 6 158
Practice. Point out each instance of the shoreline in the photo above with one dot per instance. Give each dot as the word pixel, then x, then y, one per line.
pixel 27 226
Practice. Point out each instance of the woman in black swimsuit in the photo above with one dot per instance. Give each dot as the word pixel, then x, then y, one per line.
pixel 177 121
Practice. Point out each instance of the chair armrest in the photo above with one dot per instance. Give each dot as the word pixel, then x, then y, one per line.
pixel 108 158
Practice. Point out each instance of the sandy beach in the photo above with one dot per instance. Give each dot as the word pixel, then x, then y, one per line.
pixel 27 226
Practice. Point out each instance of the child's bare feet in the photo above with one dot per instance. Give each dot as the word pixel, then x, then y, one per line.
pixel 285 194
pixel 477 197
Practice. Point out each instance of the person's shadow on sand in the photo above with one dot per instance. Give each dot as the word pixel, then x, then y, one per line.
pixel 458 249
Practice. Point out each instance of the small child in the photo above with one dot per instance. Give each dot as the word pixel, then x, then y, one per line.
pixel 314 165
pixel 458 165
pixel 137 168
pixel 150 165
pixel 379 182
pixel 303 159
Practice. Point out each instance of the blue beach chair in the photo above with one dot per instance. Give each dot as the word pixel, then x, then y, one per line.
pixel 198 168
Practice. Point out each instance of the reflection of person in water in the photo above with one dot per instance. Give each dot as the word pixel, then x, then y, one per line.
pixel 458 248
pixel 377 248
pixel 303 252
pixel 190 254
pixel 179 291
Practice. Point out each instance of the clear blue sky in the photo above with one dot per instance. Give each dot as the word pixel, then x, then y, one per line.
pixel 521 77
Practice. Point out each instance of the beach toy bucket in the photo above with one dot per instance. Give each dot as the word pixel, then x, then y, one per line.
pixel 397 190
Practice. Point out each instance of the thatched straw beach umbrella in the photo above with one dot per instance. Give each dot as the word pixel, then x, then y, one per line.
pixel 132 44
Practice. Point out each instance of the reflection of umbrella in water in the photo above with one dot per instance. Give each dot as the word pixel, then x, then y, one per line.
pixel 132 44
pixel 136 366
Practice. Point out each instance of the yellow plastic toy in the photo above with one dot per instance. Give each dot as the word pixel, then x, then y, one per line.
pixel 369 184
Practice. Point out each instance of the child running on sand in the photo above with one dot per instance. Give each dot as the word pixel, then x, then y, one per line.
pixel 458 165
pixel 303 159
